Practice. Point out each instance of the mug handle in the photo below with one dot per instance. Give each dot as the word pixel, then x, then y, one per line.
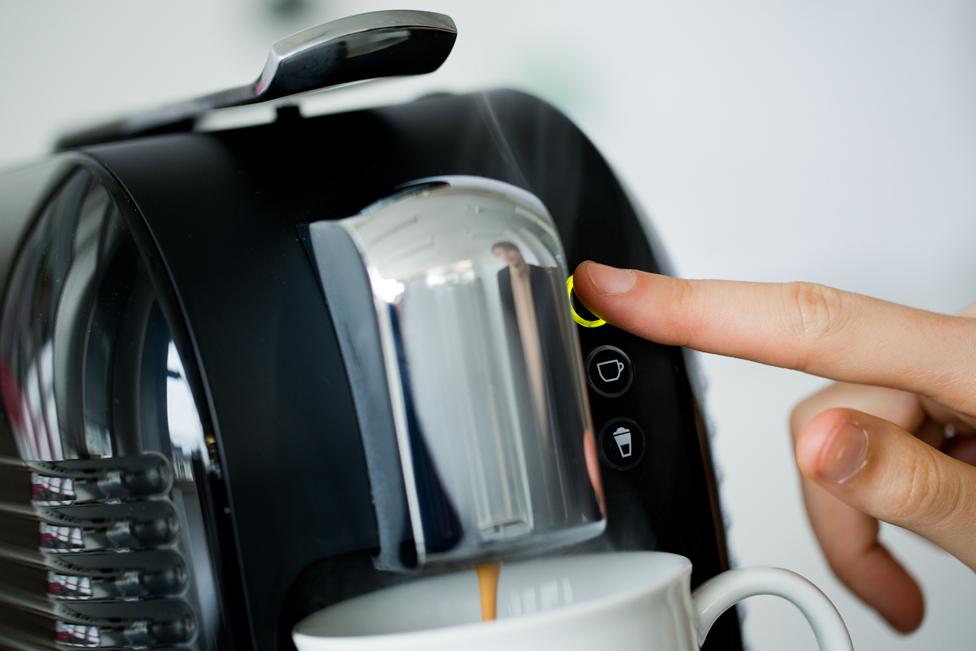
pixel 718 594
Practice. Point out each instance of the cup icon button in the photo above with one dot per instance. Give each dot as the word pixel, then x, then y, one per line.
pixel 609 371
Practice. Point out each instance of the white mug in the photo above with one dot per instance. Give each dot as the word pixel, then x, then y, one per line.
pixel 626 601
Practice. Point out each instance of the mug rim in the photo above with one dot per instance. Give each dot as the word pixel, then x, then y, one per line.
pixel 682 567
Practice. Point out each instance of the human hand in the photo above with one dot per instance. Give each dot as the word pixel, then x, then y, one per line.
pixel 892 440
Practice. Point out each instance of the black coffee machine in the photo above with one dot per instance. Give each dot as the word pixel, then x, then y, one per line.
pixel 249 373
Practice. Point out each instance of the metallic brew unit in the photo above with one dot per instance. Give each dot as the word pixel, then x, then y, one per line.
pixel 249 373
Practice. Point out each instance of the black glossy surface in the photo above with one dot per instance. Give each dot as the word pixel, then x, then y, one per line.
pixel 100 335
pixel 223 209
pixel 343 278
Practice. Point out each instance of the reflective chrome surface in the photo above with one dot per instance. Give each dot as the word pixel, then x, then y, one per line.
pixel 482 363
pixel 325 49
pixel 355 48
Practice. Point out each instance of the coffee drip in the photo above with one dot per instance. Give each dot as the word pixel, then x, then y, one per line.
pixel 488 574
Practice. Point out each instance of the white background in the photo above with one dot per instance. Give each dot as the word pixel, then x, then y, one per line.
pixel 832 141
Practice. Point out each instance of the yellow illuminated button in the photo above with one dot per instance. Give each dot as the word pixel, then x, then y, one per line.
pixel 586 323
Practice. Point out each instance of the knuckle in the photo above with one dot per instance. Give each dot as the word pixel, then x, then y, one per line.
pixel 682 304
pixel 814 311
pixel 950 383
pixel 925 495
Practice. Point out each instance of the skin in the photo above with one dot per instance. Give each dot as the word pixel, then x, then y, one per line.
pixel 892 439
pixel 511 257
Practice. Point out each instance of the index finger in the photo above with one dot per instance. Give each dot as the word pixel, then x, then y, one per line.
pixel 803 326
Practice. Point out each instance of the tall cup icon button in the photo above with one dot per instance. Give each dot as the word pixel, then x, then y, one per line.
pixel 624 439
pixel 622 444
pixel 609 371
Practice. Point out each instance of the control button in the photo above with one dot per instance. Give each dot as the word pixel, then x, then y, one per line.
pixel 595 322
pixel 609 371
pixel 622 443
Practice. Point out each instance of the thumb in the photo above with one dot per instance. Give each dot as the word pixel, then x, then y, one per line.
pixel 880 469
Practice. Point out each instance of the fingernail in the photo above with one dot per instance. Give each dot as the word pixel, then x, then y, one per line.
pixel 845 453
pixel 610 280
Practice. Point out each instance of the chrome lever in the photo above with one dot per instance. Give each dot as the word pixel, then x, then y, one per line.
pixel 366 46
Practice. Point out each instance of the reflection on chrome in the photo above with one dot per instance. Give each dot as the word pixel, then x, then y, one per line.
pixel 185 429
pixel 192 448
pixel 69 586
pixel 46 491
pixel 37 421
pixel 482 363
pixel 546 595
pixel 56 538
pixel 81 635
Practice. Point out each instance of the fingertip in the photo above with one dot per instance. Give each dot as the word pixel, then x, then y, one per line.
pixel 890 590
pixel 904 604
pixel 808 445
pixel 607 280
pixel 909 624
pixel 883 583
pixel 582 284
pixel 830 449
pixel 601 287
pixel 578 273
pixel 583 287
pixel 815 438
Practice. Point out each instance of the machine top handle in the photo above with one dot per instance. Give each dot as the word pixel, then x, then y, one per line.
pixel 355 48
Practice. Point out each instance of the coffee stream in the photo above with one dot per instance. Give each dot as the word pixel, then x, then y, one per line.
pixel 488 585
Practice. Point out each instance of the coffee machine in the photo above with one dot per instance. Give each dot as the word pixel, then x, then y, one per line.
pixel 249 373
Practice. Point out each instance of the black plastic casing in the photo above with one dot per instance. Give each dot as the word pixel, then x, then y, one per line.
pixel 222 214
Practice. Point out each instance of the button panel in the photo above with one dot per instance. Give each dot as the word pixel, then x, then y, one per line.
pixel 609 371
pixel 622 444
